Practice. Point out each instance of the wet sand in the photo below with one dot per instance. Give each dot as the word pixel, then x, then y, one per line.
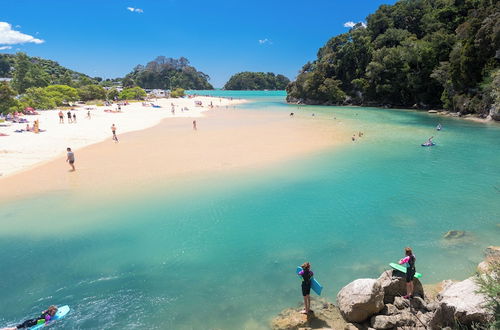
pixel 226 140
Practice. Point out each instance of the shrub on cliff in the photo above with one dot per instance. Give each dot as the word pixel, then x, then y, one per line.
pixel 489 284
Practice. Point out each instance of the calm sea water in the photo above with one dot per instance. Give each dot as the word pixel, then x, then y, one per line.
pixel 220 252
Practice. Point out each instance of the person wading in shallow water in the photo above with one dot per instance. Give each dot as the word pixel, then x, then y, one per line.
pixel 409 262
pixel 306 275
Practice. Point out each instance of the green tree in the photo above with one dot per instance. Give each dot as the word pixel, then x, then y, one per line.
pixel 92 92
pixel 134 93
pixel 4 67
pixel 37 77
pixel 61 94
pixel 178 92
pixel 67 79
pixel 7 101
pixel 21 68
pixel 38 98
pixel 112 94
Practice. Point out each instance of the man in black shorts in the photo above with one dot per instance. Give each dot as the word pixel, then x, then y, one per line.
pixel 70 159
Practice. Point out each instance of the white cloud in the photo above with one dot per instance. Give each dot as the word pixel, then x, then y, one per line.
pixel 12 37
pixel 265 41
pixel 136 10
pixel 5 47
pixel 351 24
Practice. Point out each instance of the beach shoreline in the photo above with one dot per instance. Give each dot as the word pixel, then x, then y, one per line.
pixel 225 140
pixel 23 151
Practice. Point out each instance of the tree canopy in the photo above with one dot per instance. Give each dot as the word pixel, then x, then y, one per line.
pixel 428 53
pixel 29 72
pixel 167 73
pixel 257 81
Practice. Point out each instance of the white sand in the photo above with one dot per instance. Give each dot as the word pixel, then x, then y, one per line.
pixel 21 151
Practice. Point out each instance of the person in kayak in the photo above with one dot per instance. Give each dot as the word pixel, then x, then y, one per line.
pixel 45 317
pixel 409 262
pixel 306 275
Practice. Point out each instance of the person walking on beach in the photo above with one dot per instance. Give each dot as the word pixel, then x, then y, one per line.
pixel 70 159
pixel 409 262
pixel 113 130
pixel 74 118
pixel 88 114
pixel 306 275
pixel 194 125
pixel 69 117
pixel 61 117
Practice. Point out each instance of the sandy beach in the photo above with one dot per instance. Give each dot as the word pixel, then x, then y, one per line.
pixel 226 139
pixel 21 151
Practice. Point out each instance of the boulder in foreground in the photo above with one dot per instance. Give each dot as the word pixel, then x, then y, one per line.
pixel 360 299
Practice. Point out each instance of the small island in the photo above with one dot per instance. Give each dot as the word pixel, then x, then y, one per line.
pixel 257 81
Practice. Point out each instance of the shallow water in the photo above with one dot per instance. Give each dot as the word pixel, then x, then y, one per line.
pixel 220 251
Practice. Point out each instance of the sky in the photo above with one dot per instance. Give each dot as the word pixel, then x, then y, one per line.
pixel 108 38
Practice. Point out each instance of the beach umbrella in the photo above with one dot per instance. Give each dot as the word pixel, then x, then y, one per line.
pixel 29 109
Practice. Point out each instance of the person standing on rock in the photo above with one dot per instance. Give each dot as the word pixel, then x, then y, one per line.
pixel 409 262
pixel 306 275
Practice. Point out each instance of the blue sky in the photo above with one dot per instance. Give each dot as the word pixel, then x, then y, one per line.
pixel 107 38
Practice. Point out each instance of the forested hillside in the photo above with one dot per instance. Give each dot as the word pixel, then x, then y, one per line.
pixel 257 81
pixel 38 72
pixel 415 53
pixel 167 73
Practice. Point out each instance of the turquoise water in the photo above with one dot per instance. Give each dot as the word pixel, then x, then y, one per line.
pixel 219 252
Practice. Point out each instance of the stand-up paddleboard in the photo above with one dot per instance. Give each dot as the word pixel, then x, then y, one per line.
pixel 61 312
pixel 428 144
pixel 315 286
pixel 402 269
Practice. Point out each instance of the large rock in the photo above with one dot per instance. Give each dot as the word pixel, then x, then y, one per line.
pixel 360 299
pixel 460 302
pixel 392 321
pixel 325 316
pixel 393 282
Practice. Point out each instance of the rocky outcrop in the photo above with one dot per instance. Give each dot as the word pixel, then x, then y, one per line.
pixel 492 256
pixel 360 299
pixel 460 302
pixel 368 304
pixel 454 234
pixel 393 283
pixel 324 316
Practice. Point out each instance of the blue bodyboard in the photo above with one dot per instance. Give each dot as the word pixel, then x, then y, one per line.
pixel 315 286
pixel 61 312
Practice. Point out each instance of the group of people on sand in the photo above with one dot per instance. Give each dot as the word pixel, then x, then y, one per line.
pixel 408 261
pixel 71 117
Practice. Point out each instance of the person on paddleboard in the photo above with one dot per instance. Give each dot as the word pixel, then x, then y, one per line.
pixel 306 275
pixel 409 262
pixel 45 317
